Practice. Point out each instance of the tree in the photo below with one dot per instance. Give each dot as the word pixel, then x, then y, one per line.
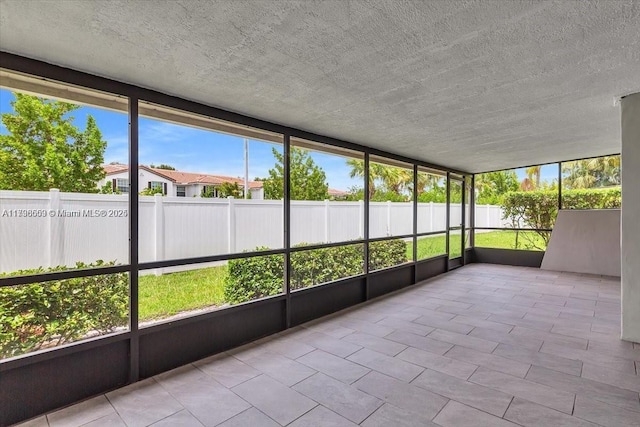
pixel 308 180
pixel 230 189
pixel 152 191
pixel 492 186
pixel 390 178
pixel 162 166
pixel 44 149
pixel 533 173
pixel 591 173
pixel 357 170
pixel 107 188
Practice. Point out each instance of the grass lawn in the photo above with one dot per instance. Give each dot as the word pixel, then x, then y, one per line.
pixel 507 240
pixel 169 294
pixel 431 246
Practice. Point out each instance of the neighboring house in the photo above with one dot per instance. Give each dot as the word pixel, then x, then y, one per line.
pixel 173 183
pixel 337 194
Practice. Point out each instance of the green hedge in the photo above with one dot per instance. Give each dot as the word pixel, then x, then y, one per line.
pixel 46 314
pixel 602 198
pixel 387 253
pixel 262 276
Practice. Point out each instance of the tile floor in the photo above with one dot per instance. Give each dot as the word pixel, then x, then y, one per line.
pixel 483 345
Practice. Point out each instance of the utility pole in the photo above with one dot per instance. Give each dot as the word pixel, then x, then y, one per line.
pixel 246 168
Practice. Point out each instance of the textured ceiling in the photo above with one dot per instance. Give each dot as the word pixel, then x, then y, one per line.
pixel 475 85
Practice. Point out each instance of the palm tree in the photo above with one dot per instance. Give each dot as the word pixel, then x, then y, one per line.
pixel 534 171
pixel 376 172
pixel 427 180
pixel 596 172
pixel 527 185
pixel 396 179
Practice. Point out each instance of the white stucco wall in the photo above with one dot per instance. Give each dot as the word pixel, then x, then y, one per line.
pixel 257 193
pixel 630 266
pixel 585 241
pixel 108 178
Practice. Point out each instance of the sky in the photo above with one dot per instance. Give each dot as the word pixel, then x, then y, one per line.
pixel 194 150
pixel 190 149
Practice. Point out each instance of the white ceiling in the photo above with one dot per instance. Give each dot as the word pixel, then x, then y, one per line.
pixel 474 85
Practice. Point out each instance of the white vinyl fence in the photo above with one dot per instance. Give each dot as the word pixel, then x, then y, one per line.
pixel 46 229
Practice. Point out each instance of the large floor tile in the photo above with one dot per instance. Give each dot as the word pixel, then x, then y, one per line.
pixel 550 361
pixel 586 356
pixel 389 415
pixel 179 419
pixel 420 342
pixel 405 325
pixel 143 403
pixel 227 370
pixel 604 414
pixel 321 417
pixel 381 345
pixel 490 361
pixel 530 414
pixel 341 398
pixel 36 422
pixel 370 328
pixel 445 325
pixel 610 376
pixel 330 344
pixel 283 369
pixel 544 395
pixel 477 396
pixel 456 414
pixel 269 396
pixel 334 366
pixel 112 420
pixel 210 402
pixel 479 344
pixel 386 364
pixel 402 395
pixel 446 365
pixel 507 338
pixel 585 387
pixel 81 413
pixel 250 417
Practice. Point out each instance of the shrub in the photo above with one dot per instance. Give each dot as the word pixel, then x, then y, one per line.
pixel 47 314
pixel 258 277
pixel 539 209
pixel 252 278
pixel 387 253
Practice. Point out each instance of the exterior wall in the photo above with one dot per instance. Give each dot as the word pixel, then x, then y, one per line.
pixel 630 218
pixel 144 177
pixel 585 241
pixel 257 193
pixel 194 190
pixel 108 178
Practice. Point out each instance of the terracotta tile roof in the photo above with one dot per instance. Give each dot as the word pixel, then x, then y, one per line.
pixel 337 193
pixel 180 177
pixel 109 169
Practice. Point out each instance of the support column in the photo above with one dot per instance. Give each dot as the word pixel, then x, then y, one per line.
pixel 630 249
